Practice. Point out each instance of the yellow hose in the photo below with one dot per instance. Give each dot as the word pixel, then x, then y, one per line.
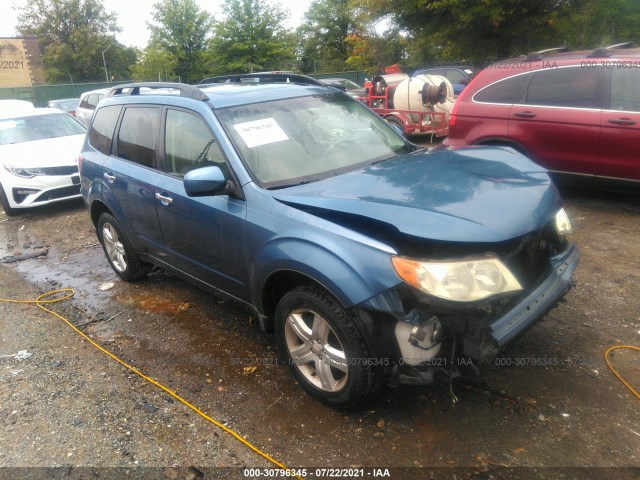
pixel 68 293
pixel 615 372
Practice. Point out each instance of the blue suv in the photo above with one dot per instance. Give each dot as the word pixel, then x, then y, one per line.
pixel 370 258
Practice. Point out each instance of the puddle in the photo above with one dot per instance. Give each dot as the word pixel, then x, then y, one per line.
pixel 81 271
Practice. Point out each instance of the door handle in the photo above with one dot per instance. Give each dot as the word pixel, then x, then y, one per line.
pixel 166 201
pixel 622 121
pixel 525 114
pixel 110 178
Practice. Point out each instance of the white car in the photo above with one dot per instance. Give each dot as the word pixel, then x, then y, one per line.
pixel 88 102
pixel 38 158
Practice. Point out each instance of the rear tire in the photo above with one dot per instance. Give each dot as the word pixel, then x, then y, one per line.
pixel 5 204
pixel 391 120
pixel 121 255
pixel 323 347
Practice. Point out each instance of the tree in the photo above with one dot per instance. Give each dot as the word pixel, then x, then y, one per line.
pixel 251 37
pixel 181 29
pixel 372 51
pixel 155 64
pixel 597 23
pixel 331 30
pixel 72 34
pixel 451 29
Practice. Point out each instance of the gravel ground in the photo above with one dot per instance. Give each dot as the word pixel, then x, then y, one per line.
pixel 551 408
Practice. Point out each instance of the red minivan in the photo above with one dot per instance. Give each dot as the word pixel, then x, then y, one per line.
pixel 575 113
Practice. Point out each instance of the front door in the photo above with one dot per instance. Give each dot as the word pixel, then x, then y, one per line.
pixel 204 236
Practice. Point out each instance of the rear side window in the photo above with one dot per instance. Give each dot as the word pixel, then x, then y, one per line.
pixel 625 89
pixel 137 135
pixel 565 87
pixel 90 101
pixel 507 91
pixel 102 128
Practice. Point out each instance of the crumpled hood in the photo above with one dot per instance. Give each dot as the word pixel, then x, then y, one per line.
pixel 50 152
pixel 474 194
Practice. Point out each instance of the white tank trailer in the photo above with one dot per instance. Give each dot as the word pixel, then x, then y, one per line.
pixel 423 93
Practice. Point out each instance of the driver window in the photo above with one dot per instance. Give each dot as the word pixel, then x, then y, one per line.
pixel 189 144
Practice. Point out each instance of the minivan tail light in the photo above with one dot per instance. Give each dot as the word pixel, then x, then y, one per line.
pixel 80 160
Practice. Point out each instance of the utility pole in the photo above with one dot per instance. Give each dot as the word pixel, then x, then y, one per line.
pixel 106 75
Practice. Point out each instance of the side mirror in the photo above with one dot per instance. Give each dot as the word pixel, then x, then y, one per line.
pixel 205 181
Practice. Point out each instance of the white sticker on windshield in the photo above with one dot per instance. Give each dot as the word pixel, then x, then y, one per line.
pixel 467 71
pixel 260 132
pixel 7 124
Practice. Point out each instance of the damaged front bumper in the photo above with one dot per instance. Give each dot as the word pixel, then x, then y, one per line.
pixel 418 336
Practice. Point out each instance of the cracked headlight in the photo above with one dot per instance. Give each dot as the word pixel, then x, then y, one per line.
pixel 24 172
pixel 460 281
pixel 563 225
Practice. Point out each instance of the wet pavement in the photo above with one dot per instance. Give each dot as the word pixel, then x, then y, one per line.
pixel 551 402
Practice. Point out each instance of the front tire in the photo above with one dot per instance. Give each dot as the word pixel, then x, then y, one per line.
pixel 323 347
pixel 121 255
pixel 5 204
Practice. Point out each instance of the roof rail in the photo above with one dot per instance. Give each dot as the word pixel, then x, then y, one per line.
pixel 618 46
pixel 534 56
pixel 547 51
pixel 185 90
pixel 262 77
pixel 600 53
pixel 540 54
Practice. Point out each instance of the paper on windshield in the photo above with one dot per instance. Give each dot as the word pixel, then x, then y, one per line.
pixel 260 132
pixel 6 124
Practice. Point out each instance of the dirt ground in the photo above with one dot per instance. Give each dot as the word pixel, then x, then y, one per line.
pixel 550 407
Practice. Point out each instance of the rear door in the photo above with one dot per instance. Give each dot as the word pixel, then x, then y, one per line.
pixel 558 124
pixel 129 176
pixel 620 146
pixel 203 236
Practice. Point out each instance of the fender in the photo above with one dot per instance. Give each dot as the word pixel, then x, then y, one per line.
pixel 352 275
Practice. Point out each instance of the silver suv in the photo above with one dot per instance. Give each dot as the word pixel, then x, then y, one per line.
pixel 88 102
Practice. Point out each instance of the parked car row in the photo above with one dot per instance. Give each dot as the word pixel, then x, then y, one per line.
pixel 371 258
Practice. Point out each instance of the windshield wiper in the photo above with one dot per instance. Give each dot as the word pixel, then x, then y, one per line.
pixel 278 187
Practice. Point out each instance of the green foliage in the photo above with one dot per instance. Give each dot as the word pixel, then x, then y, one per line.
pixel 181 29
pixel 457 30
pixel 479 29
pixel 72 34
pixel 597 23
pixel 341 35
pixel 337 35
pixel 326 35
pixel 155 64
pixel 251 38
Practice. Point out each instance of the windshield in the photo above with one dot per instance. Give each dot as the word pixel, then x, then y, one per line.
pixel 40 127
pixel 66 104
pixel 296 140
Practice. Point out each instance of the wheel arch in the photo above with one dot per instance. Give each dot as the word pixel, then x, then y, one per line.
pixel 98 208
pixel 282 281
pixel 346 273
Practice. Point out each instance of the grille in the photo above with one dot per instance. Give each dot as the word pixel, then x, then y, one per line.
pixel 70 170
pixel 530 261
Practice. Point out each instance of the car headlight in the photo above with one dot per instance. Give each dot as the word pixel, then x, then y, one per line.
pixel 563 225
pixel 24 172
pixel 460 281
